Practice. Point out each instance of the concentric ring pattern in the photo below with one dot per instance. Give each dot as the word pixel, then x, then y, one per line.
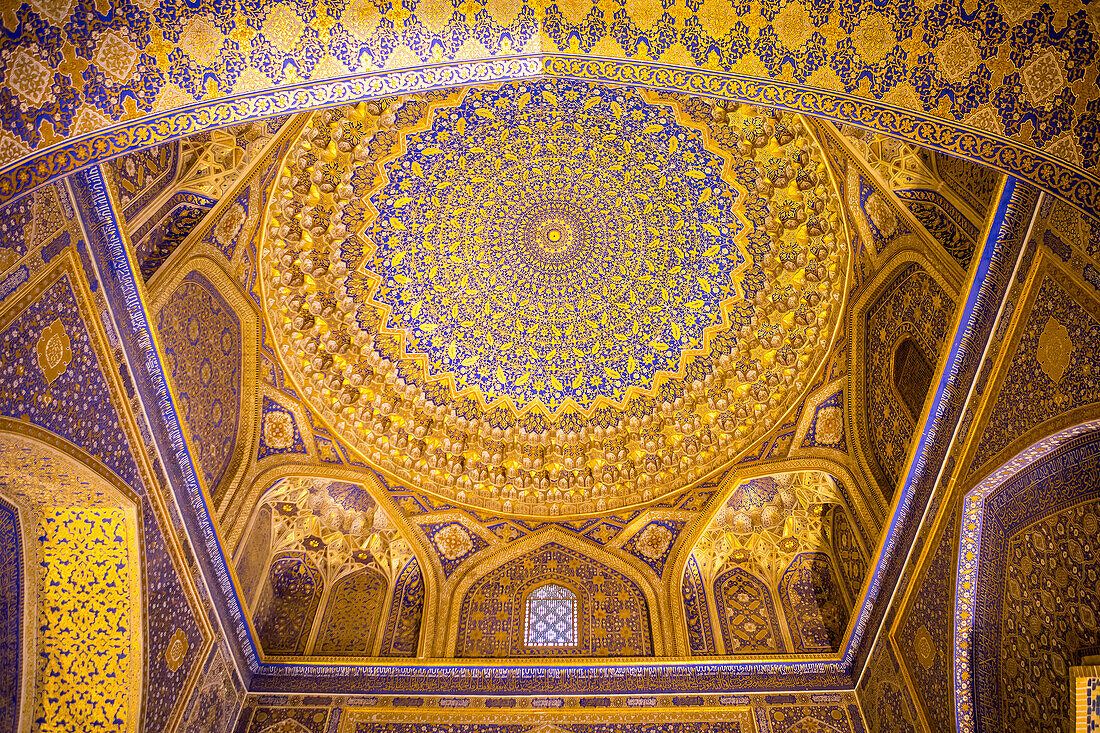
pixel 553 297
pixel 555 244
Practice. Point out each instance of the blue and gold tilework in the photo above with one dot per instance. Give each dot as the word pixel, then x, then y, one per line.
pixel 813 604
pixel 1025 641
pixel 747 614
pixel 12 600
pixel 454 543
pixel 166 229
pixel 1051 370
pixel 827 428
pixel 601 277
pixel 279 431
pixel 925 633
pixel 1009 68
pixel 581 299
pixel 612 613
pixel 654 541
pixel 696 614
pixel 89 618
pixel 143 175
pixel 401 636
pixel 201 338
pixel 914 306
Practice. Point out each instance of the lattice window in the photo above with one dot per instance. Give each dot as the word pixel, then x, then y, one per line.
pixel 551 617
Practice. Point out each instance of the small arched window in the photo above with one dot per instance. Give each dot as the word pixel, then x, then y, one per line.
pixel 551 617
pixel 912 375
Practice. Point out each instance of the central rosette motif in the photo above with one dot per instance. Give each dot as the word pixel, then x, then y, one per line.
pixel 553 242
pixel 553 298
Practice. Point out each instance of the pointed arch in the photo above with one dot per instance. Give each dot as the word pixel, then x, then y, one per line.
pixel 696 610
pixel 747 614
pixel 353 615
pixel 81 526
pixel 588 560
pixel 813 604
pixel 906 263
pixel 205 274
pixel 401 637
pixel 417 541
pixel 865 515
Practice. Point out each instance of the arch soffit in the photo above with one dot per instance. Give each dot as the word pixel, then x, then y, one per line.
pixel 430 569
pixel 246 312
pixel 689 537
pixel 551 535
pixel 28 541
pixel 1062 178
pixel 37 489
pixel 857 329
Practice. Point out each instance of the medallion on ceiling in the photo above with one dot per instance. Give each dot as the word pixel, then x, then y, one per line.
pixel 554 245
pixel 553 297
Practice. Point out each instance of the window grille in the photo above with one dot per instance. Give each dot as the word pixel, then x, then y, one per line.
pixel 551 617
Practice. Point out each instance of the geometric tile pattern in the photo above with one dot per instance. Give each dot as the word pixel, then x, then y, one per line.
pixel 611 611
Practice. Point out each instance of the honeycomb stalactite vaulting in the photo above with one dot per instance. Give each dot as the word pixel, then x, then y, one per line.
pixel 551 297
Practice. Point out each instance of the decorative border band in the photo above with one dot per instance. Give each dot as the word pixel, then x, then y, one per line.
pixel 1048 172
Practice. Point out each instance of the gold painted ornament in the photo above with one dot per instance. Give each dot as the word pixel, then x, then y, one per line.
pixel 553 298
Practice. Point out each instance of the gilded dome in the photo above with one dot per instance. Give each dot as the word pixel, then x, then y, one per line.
pixel 553 297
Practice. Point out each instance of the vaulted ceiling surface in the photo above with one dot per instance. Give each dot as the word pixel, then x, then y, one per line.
pixel 91 83
pixel 553 298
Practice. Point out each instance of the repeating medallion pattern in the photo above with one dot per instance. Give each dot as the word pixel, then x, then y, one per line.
pixel 624 260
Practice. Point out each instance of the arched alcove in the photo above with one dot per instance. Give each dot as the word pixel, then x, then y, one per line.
pixel 80 649
pixel 813 603
pixel 611 610
pixel 775 569
pixel 207 378
pixel 325 572
pixel 1026 605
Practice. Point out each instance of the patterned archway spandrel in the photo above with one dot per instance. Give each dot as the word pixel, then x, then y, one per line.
pixel 612 612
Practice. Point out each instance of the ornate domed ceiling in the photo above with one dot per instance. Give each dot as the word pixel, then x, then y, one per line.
pixel 553 297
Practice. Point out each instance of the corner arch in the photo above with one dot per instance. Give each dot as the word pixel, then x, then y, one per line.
pixel 866 516
pixel 857 375
pixel 252 496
